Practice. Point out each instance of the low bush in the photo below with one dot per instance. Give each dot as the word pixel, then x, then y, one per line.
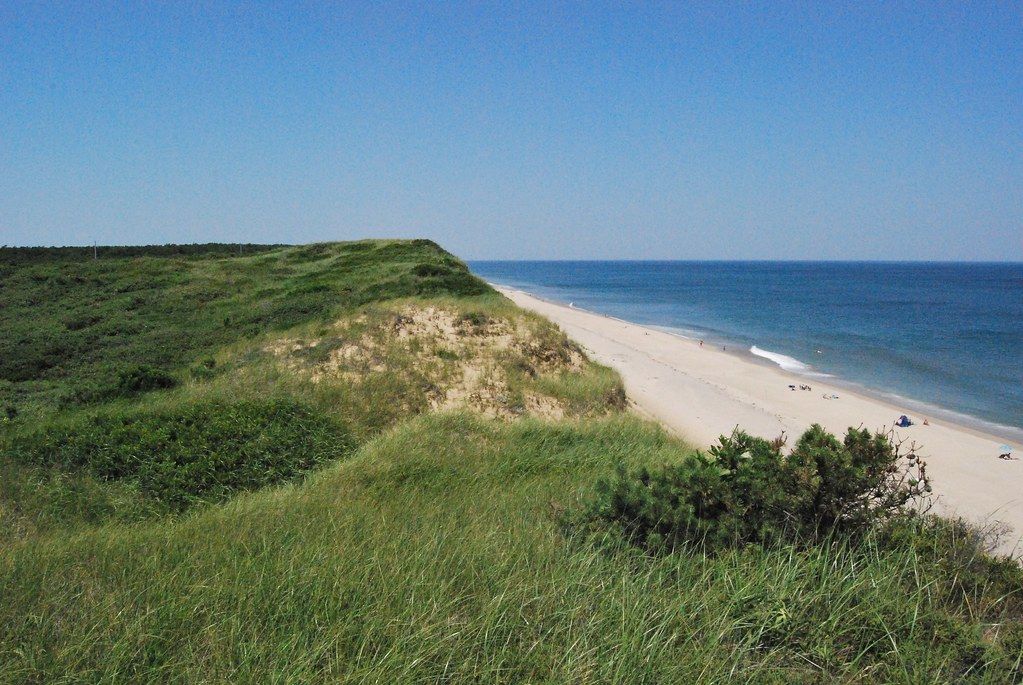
pixel 473 320
pixel 747 491
pixel 144 378
pixel 198 452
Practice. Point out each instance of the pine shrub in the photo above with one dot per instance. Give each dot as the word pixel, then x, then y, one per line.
pixel 746 490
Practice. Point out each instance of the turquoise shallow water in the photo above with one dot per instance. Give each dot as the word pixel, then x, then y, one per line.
pixel 945 336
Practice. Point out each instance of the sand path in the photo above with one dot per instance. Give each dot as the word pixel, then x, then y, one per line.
pixel 703 392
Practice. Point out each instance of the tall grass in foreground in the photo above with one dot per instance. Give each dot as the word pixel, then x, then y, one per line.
pixel 433 555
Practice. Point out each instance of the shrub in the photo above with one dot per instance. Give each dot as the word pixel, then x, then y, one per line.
pixel 746 491
pixel 474 320
pixel 428 270
pixel 143 378
pixel 198 452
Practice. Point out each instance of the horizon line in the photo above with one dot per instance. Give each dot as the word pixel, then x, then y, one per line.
pixel 638 260
pixel 758 260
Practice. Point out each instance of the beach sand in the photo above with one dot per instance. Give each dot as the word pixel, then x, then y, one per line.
pixel 703 392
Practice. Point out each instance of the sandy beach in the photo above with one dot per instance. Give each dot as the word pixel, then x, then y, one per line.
pixel 701 392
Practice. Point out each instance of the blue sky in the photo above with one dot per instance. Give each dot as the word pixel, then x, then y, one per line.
pixel 584 130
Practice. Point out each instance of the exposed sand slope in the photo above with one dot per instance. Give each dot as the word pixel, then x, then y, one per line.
pixel 504 364
pixel 703 392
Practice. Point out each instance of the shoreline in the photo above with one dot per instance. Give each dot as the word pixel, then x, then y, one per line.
pixel 703 392
pixel 1011 435
pixel 987 428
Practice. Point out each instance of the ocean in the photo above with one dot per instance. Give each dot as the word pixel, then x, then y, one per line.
pixel 944 339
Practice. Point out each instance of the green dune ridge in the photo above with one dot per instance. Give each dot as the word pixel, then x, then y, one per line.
pixel 356 462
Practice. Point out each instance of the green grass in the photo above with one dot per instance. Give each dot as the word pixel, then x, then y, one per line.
pixel 131 384
pixel 36 501
pixel 72 328
pixel 190 452
pixel 345 533
pixel 433 556
pixel 247 417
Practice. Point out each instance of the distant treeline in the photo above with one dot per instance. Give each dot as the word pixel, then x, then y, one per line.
pixel 23 255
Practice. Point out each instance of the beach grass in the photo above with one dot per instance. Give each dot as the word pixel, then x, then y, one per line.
pixel 287 496
pixel 73 329
pixel 433 555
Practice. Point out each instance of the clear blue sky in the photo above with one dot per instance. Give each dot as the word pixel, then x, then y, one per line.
pixel 768 130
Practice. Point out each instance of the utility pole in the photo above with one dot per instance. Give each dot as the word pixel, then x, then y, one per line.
pixel 94 254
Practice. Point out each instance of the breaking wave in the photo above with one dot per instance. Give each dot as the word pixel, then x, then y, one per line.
pixel 785 362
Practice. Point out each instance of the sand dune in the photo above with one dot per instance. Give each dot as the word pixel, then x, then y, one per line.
pixel 703 392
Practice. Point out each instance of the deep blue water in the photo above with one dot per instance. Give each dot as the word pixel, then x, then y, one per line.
pixel 948 335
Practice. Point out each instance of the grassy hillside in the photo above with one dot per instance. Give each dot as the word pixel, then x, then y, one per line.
pixel 410 445
pixel 240 371
pixel 75 331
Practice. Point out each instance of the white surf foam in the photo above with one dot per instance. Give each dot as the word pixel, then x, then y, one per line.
pixel 785 362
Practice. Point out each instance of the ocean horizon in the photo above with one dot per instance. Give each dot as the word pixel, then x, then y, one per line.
pixel 944 339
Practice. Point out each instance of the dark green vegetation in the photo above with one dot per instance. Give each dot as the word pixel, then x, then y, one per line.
pixel 747 491
pixel 77 331
pixel 191 452
pixel 428 547
pixel 116 405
